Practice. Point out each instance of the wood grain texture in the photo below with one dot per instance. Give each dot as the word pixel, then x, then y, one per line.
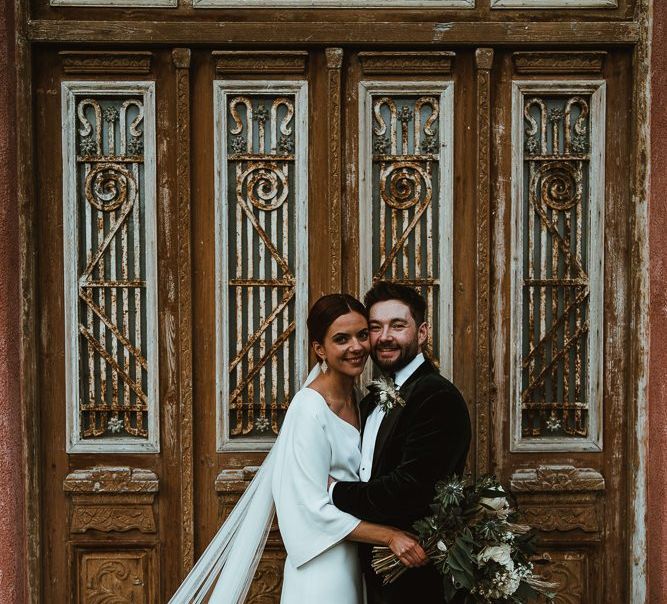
pixel 483 64
pixel 439 62
pixel 30 416
pixel 638 373
pixel 262 61
pixel 334 59
pixel 558 61
pixel 364 34
pixel 181 58
pixel 79 61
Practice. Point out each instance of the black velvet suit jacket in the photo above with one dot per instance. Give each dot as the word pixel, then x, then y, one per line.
pixel 425 441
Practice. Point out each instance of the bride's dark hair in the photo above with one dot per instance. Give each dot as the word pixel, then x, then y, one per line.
pixel 327 309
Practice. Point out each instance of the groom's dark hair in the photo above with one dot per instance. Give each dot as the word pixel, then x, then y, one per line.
pixel 386 290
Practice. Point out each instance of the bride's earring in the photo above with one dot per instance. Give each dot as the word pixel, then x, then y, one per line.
pixel 324 366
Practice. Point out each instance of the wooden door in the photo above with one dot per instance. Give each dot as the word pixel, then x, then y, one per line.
pixel 194 202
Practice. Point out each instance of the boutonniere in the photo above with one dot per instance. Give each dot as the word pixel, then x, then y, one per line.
pixel 386 394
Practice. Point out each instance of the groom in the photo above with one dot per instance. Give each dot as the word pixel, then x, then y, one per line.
pixel 407 449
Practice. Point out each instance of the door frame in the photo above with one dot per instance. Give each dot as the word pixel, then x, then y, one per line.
pixel 30 33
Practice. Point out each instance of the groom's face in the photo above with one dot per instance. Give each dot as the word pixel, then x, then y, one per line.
pixel 395 337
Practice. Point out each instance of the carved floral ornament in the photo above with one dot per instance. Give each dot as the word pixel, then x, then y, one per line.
pixel 556 478
pixel 112 499
pixel 119 577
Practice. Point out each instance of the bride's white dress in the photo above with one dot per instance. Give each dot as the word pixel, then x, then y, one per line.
pixel 321 567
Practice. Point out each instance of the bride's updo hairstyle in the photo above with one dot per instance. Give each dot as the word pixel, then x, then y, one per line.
pixel 326 310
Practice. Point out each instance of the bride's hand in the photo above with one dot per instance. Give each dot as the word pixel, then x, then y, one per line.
pixel 407 549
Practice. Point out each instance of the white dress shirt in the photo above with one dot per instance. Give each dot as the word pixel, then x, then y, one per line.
pixel 373 422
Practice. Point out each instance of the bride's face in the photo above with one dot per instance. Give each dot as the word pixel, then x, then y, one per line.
pixel 346 345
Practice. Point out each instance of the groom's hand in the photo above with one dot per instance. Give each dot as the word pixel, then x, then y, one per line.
pixel 330 482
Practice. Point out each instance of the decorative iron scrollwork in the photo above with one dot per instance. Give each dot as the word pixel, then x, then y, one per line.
pixel 110 257
pixel 556 234
pixel 260 255
pixel 406 162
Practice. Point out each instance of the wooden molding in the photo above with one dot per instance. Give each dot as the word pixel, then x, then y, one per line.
pixel 267 583
pixel 334 58
pixel 358 33
pixel 113 513
pixel 557 61
pixel 234 481
pixel 570 571
pixel 29 358
pixel 483 63
pixel 91 583
pixel 181 58
pixel 553 4
pixel 230 486
pixel 564 479
pixel 483 59
pixel 112 499
pixel 562 518
pixel 117 3
pixel 264 61
pixel 109 479
pixel 75 61
pixel 333 4
pixel 406 62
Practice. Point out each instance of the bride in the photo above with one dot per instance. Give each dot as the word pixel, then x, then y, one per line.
pixel 320 437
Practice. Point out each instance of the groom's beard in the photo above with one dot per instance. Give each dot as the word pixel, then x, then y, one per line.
pixel 407 353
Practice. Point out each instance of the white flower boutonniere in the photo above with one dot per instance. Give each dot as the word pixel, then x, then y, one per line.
pixel 386 394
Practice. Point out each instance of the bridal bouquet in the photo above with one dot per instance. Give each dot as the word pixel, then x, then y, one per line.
pixel 474 541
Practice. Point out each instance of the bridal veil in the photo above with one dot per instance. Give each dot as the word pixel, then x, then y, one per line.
pixel 224 572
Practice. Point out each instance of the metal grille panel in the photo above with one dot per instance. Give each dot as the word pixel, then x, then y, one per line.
pixel 408 216
pixel 110 265
pixel 560 236
pixel 262 260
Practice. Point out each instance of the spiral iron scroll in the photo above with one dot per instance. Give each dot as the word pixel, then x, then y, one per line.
pixel 405 184
pixel 109 186
pixel 265 185
pixel 559 184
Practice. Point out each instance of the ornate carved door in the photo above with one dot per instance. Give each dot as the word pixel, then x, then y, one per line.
pixel 192 202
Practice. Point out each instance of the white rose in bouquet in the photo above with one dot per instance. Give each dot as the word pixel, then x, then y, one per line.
pixel 498 506
pixel 495 503
pixel 502 554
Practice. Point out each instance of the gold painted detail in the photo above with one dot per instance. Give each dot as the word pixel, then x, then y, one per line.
pixel 113 369
pixel 406 157
pixel 262 287
pixel 555 259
